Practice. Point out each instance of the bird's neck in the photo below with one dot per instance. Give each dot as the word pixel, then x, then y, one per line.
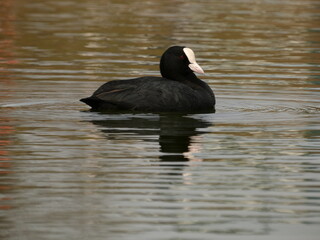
pixel 188 78
pixel 191 80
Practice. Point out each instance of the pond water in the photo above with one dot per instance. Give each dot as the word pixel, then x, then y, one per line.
pixel 249 171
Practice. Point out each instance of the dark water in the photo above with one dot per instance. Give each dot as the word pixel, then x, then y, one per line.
pixel 249 171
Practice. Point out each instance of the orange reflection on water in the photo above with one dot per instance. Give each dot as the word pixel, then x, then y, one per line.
pixel 7 59
pixel 5 163
pixel 5 160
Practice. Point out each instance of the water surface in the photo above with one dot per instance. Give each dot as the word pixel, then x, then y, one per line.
pixel 249 171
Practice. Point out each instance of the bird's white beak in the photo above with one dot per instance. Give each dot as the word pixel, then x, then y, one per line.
pixel 194 66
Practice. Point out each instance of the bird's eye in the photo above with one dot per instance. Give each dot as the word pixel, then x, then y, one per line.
pixel 182 57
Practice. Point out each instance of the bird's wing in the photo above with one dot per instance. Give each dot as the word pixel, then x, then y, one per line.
pixel 156 94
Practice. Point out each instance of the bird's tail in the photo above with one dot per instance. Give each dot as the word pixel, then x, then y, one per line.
pixel 93 102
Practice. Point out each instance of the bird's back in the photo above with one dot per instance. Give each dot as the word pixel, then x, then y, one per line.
pixel 155 94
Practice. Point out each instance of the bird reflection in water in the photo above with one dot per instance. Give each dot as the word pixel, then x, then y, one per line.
pixel 176 133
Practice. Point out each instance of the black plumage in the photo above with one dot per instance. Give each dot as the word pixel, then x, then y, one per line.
pixel 178 90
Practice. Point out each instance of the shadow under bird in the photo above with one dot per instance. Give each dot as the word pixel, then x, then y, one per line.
pixel 178 90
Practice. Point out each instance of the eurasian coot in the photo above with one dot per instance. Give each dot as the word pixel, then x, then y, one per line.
pixel 178 90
